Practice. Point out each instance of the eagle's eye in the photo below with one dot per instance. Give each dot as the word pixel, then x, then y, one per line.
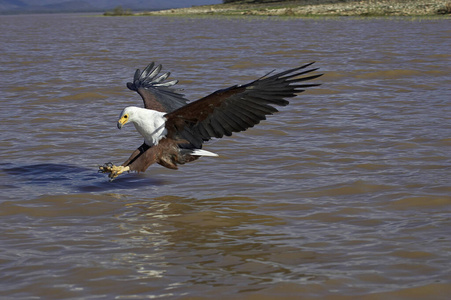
pixel 126 116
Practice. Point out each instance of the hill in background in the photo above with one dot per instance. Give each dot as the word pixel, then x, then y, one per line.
pixel 55 6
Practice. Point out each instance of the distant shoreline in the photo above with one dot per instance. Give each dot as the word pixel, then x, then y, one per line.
pixel 317 8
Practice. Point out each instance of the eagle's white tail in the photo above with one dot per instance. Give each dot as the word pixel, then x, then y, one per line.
pixel 200 152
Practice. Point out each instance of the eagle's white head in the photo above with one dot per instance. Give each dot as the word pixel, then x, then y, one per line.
pixel 127 115
pixel 149 123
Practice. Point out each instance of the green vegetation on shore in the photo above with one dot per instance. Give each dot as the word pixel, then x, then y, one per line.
pixel 318 8
pixel 118 11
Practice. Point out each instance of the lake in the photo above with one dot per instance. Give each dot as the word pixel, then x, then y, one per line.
pixel 343 194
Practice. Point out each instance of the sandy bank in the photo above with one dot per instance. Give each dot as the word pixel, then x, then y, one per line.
pixel 321 8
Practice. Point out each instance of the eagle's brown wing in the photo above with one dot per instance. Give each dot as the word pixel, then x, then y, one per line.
pixel 155 92
pixel 236 108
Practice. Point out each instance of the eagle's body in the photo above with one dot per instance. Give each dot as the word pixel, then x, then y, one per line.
pixel 174 130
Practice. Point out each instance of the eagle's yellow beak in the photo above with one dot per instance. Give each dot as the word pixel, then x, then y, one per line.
pixel 122 121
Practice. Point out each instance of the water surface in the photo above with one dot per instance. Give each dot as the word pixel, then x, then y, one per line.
pixel 343 194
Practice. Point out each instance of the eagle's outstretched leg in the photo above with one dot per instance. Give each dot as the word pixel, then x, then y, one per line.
pixel 113 170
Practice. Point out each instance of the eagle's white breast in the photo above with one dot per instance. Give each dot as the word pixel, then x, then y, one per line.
pixel 149 123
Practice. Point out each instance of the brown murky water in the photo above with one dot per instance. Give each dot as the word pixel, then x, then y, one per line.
pixel 345 193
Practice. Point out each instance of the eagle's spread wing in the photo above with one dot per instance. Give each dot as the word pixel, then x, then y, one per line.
pixel 236 108
pixel 155 92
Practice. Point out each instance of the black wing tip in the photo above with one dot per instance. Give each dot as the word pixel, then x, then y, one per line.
pixel 294 72
pixel 131 86
pixel 150 77
pixel 290 73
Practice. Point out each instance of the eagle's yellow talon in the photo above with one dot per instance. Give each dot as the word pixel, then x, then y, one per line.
pixel 113 170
